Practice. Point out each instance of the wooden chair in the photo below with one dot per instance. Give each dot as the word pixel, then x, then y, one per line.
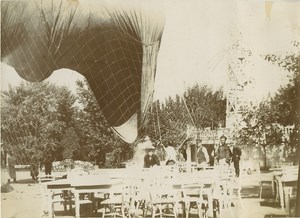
pixel 223 190
pixel 263 179
pixel 54 196
pixel 82 196
pixel 286 184
pixel 207 177
pixel 162 196
pixel 193 194
pixel 235 190
pixel 120 202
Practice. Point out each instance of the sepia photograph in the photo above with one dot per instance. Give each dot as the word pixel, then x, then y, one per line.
pixel 150 108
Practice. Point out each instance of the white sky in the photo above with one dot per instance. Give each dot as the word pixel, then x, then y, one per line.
pixel 197 32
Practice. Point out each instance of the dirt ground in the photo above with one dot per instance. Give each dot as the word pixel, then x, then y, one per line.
pixel 26 201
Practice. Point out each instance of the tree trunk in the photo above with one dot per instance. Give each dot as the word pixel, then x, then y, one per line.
pixel 265 157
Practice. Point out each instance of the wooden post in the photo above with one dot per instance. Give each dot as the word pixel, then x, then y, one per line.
pixel 189 157
pixel 193 153
pixel 297 213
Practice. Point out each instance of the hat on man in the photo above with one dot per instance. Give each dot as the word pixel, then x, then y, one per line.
pixel 146 144
pixel 223 137
pixel 149 146
pixel 198 140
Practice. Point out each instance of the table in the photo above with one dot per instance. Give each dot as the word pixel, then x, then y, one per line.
pixel 61 185
pixel 109 180
pixel 285 183
pixel 84 184
pixel 92 184
pixel 286 179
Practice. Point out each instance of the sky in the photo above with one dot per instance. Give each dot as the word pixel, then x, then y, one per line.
pixel 197 41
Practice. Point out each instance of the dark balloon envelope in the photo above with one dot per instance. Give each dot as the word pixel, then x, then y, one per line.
pixel 114 46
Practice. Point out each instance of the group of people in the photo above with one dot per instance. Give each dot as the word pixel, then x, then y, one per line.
pixel 34 168
pixel 222 154
pixel 229 154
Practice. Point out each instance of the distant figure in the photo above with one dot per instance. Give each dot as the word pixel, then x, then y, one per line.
pixel 236 153
pixel 183 151
pixel 34 172
pixel 150 159
pixel 202 154
pixel 223 152
pixel 48 165
pixel 183 147
pixel 170 153
pixel 11 168
pixel 282 152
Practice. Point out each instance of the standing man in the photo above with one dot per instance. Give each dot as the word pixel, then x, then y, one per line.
pixel 11 168
pixel 202 154
pixel 236 153
pixel 48 166
pixel 223 152
pixel 183 148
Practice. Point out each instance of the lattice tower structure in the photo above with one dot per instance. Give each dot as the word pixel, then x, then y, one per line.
pixel 240 79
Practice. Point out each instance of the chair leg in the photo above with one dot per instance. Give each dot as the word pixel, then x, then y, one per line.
pixel 160 210
pixel 123 211
pixel 187 210
pixel 273 187
pixel 52 210
pixel 205 215
pixel 65 205
pixel 103 214
pixel 145 210
pixel 153 211
pixel 260 189
pixel 146 206
pixel 175 210
pixel 240 198
pixel 277 190
pixel 199 209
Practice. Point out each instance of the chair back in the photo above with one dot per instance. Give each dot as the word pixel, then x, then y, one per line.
pixel 290 173
pixel 161 189
pixel 192 190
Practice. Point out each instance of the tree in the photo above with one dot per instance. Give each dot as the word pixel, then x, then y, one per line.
pixel 96 138
pixel 32 124
pixel 259 128
pixel 70 143
pixel 207 108
pixel 200 106
pixel 290 62
pixel 286 103
pixel 265 121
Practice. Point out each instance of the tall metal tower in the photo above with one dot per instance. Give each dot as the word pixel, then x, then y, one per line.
pixel 240 68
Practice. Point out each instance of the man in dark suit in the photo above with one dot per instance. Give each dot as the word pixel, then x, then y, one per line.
pixel 150 159
pixel 236 153
pixel 223 152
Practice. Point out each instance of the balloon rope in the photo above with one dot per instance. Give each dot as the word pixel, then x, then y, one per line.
pixel 190 115
pixel 158 122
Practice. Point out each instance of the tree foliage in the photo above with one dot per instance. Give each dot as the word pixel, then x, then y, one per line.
pixel 259 127
pixel 96 138
pixel 286 103
pixel 34 120
pixel 206 107
pixel 200 107
pixel 264 124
